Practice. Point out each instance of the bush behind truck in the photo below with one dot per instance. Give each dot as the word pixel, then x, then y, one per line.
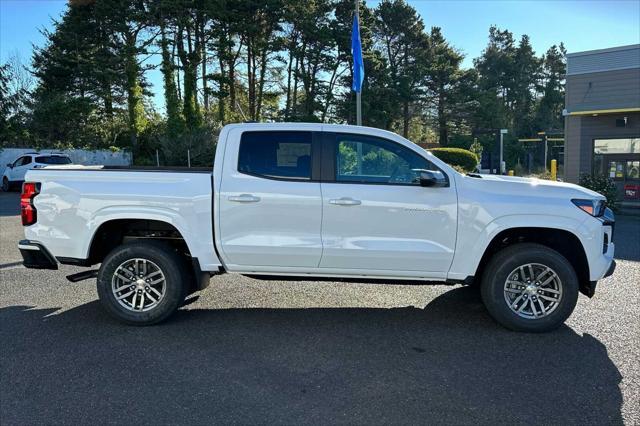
pixel 457 158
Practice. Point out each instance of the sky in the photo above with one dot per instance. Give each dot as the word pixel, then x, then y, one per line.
pixel 580 24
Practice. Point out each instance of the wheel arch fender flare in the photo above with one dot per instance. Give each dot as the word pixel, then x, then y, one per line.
pixel 467 265
pixel 197 247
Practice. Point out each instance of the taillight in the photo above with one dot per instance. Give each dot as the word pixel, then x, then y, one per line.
pixel 27 209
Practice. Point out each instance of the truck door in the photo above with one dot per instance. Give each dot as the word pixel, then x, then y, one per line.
pixel 270 206
pixel 20 167
pixel 376 216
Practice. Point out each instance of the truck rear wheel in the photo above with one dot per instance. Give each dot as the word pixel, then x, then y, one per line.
pixel 142 283
pixel 529 287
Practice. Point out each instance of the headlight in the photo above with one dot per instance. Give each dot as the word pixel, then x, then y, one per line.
pixel 593 207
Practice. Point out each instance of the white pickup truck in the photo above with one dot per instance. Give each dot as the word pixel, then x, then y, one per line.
pixel 327 202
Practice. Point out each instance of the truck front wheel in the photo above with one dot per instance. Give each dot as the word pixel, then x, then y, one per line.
pixel 529 287
pixel 142 283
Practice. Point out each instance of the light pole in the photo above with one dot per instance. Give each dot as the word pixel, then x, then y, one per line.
pixel 502 163
pixel 546 148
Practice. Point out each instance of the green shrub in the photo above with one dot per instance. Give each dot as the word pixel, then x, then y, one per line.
pixel 602 185
pixel 462 158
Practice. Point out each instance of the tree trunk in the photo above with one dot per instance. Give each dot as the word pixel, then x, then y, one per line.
pixel 405 119
pixel 189 58
pixel 287 104
pixel 304 77
pixel 172 102
pixel 107 99
pixel 263 71
pixel 406 95
pixel 221 49
pixel 294 102
pixel 329 98
pixel 203 54
pixel 175 62
pixel 443 131
pixel 135 107
pixel 251 74
pixel 232 59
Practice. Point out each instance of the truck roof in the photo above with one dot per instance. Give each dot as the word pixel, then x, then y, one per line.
pixel 344 128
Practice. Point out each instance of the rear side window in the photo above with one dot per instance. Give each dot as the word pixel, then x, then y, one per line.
pixel 280 155
pixel 56 159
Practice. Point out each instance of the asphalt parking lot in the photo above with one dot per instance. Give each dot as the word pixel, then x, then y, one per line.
pixel 246 351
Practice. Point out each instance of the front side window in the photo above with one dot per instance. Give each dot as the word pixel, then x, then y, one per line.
pixel 280 155
pixel 22 161
pixel 372 160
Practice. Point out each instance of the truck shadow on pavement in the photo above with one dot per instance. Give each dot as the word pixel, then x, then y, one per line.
pixel 449 363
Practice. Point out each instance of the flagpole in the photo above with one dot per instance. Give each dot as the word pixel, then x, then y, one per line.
pixel 359 93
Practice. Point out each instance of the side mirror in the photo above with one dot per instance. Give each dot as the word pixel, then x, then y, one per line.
pixel 434 179
pixel 10 166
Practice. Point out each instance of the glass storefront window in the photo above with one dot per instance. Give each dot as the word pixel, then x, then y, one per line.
pixel 633 170
pixel 616 169
pixel 617 146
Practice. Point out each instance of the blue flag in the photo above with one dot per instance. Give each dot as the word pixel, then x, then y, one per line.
pixel 356 51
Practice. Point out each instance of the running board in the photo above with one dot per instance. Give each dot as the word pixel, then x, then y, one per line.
pixel 81 276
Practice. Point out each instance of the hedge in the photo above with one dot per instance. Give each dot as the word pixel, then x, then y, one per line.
pixel 462 158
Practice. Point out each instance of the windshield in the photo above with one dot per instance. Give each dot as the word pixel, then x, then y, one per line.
pixel 55 159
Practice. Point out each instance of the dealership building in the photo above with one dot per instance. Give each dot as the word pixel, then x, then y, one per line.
pixel 602 117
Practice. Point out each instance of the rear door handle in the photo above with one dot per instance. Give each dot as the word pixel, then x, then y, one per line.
pixel 244 198
pixel 345 201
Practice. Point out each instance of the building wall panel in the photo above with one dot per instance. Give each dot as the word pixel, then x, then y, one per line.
pixel 604 60
pixel 606 90
pixel 580 131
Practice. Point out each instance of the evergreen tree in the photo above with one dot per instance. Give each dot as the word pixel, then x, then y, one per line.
pixel 228 60
pixel 404 45
pixel 444 74
pixel 549 109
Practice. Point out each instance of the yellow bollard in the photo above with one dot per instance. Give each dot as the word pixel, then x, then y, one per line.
pixel 511 173
pixel 554 169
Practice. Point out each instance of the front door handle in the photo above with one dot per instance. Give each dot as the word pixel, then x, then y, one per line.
pixel 345 201
pixel 244 198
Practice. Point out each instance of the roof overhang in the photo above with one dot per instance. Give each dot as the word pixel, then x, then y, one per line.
pixel 601 111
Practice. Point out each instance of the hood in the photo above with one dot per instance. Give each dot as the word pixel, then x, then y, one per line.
pixel 532 187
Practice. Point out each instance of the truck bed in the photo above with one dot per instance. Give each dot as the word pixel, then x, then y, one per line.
pixel 77 201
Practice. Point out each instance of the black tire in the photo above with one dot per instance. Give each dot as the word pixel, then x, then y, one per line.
pixel 503 263
pixel 167 260
pixel 6 185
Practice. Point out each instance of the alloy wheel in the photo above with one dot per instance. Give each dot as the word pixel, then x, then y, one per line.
pixel 533 290
pixel 138 285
